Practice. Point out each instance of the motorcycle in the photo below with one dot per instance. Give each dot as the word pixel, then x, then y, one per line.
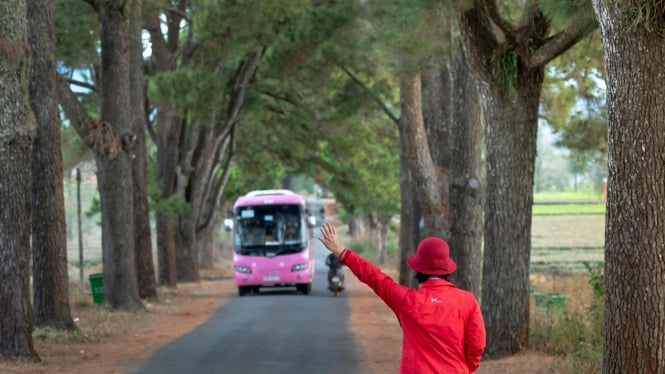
pixel 336 281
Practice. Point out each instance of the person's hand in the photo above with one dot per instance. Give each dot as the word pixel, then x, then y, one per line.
pixel 329 239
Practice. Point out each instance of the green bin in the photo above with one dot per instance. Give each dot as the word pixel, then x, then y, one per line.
pixel 97 287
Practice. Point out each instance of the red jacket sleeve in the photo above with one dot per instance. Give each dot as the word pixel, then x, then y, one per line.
pixel 391 292
pixel 475 339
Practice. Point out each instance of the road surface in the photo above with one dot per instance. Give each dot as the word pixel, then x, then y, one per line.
pixel 276 331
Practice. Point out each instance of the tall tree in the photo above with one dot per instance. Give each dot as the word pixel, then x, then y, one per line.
pixel 509 60
pixel 49 237
pixel 633 40
pixel 17 125
pixel 466 177
pixel 114 141
pixel 145 269
pixel 78 52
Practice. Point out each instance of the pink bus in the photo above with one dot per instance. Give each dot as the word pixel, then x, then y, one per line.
pixel 272 244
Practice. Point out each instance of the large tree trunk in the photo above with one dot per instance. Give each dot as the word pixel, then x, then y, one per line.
pixel 437 116
pixel 511 126
pixel 49 238
pixel 114 167
pixel 145 269
pixel 634 240
pixel 466 192
pixel 427 175
pixel 509 61
pixel 16 135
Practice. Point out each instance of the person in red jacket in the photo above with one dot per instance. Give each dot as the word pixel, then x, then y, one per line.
pixel 442 327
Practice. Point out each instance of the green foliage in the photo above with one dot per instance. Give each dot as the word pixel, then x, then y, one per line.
pixel 358 246
pixel 596 278
pixel 562 12
pixel 94 209
pixel 77 34
pixel 505 68
pixel 648 14
pixel 577 336
pixel 572 335
pixel 411 32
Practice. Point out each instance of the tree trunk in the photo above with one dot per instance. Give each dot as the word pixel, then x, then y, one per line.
pixel 427 176
pixel 207 245
pixel 114 167
pixel 16 136
pixel 382 240
pixel 166 257
pixel 187 259
pixel 372 228
pixel 634 240
pixel 145 269
pixel 466 192
pixel 409 230
pixel 437 115
pixel 509 61
pixel 49 237
pixel 511 125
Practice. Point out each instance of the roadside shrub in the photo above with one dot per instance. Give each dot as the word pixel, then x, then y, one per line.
pixel 578 336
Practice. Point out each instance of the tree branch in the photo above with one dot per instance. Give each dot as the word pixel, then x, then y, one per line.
pixel 500 24
pixel 377 99
pixel 75 112
pixel 89 86
pixel 561 42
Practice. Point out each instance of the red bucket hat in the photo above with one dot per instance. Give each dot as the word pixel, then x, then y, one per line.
pixel 432 257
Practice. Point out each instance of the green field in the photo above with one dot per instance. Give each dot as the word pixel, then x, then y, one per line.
pixel 560 243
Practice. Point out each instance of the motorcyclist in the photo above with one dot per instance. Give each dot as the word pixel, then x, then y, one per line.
pixel 332 261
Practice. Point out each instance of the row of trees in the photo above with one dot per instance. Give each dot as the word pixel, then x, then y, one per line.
pixel 278 88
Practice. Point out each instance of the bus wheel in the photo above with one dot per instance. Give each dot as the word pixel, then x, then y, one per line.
pixel 242 290
pixel 305 288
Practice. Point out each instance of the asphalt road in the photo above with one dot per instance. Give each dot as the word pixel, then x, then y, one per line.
pixel 276 331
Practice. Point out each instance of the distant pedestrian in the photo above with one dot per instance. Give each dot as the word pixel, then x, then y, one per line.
pixel 442 327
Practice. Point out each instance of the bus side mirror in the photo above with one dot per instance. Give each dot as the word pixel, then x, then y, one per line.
pixel 228 224
pixel 311 221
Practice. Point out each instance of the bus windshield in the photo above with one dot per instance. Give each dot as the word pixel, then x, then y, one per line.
pixel 270 230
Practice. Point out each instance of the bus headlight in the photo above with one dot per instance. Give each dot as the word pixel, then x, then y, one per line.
pixel 299 267
pixel 243 269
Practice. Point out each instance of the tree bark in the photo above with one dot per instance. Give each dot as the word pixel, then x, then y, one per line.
pixel 114 167
pixel 511 125
pixel 466 187
pixel 427 176
pixel 167 139
pixel 166 250
pixel 49 237
pixel 509 62
pixel 145 269
pixel 409 229
pixel 634 234
pixel 17 125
